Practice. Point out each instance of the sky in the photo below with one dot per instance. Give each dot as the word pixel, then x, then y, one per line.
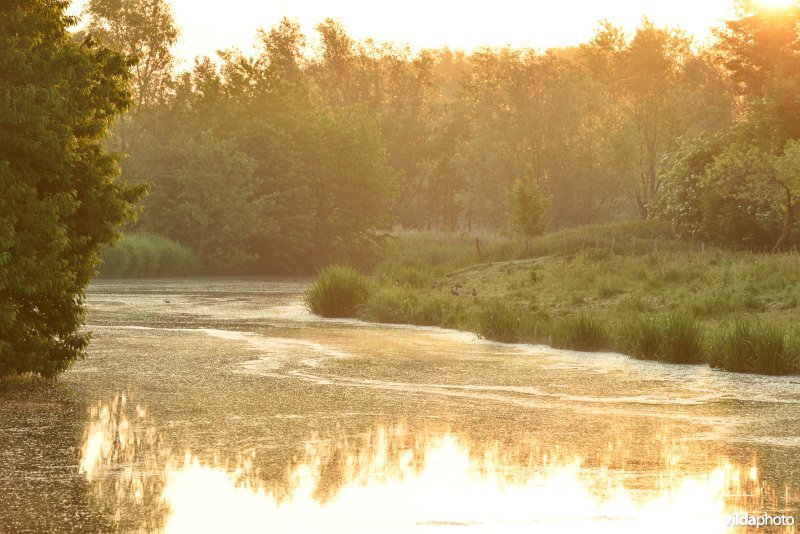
pixel 209 25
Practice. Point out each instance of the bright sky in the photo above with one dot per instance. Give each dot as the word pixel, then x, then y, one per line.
pixel 209 25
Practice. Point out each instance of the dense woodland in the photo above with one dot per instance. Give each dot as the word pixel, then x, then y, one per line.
pixel 308 151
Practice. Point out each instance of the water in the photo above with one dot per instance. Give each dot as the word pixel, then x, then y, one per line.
pixel 222 405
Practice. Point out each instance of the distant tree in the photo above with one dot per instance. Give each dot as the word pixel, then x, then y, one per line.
pixel 142 29
pixel 787 179
pixel 59 201
pixel 213 208
pixel 760 48
pixel 528 209
pixel 651 71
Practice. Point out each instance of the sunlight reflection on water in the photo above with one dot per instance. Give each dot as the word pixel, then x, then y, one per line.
pixel 394 479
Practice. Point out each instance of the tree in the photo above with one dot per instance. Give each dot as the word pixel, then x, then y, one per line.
pixel 212 205
pixel 142 29
pixel 787 178
pixel 59 201
pixel 651 70
pixel 528 209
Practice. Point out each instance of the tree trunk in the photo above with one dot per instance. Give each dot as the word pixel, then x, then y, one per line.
pixel 788 222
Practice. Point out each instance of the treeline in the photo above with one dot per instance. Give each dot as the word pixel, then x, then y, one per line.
pixel 301 155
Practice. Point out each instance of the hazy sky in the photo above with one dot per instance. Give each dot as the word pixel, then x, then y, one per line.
pixel 208 25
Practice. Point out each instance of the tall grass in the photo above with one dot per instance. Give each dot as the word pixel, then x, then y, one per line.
pixel 582 332
pixel 142 255
pixel 338 291
pixel 499 321
pixel 684 339
pixel 752 346
pixel 402 305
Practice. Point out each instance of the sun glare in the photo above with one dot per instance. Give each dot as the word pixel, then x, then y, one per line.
pixel 776 4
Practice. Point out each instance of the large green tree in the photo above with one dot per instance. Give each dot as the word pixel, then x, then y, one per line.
pixel 59 201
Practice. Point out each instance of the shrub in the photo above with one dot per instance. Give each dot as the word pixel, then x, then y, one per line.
pixel 338 291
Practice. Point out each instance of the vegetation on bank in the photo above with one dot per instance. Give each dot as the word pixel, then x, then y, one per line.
pixel 143 255
pixel 650 297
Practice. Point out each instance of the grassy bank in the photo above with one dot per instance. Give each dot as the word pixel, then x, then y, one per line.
pixel 626 288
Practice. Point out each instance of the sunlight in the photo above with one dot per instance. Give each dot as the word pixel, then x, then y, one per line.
pixel 464 25
pixel 776 4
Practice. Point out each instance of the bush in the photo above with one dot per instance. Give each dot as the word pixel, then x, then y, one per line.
pixel 143 255
pixel 338 291
pixel 751 346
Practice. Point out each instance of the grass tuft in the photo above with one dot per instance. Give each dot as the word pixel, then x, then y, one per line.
pixel 752 346
pixel 338 292
pixel 582 332
pixel 499 321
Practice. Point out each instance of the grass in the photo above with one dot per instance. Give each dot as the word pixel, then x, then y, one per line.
pixel 142 255
pixel 647 296
pixel 338 291
pixel 582 332
pixel 752 346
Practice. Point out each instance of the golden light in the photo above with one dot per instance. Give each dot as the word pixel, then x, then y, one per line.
pixel 776 4
pixel 455 23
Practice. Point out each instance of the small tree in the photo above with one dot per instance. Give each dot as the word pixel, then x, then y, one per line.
pixel 528 209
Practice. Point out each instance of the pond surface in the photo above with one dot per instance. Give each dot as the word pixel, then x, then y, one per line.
pixel 223 406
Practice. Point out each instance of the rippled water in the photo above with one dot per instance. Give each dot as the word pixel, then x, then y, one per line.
pixel 223 406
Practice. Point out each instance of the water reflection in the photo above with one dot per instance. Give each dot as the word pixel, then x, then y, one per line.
pixel 396 479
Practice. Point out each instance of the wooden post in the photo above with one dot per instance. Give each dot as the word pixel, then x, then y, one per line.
pixel 613 242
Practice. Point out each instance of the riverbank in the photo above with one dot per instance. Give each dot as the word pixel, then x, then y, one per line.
pixel 628 289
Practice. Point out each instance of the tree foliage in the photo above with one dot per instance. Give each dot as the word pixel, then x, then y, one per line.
pixel 59 200
pixel 346 137
pixel 142 29
pixel 528 209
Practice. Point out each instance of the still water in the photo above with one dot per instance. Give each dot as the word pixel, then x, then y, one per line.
pixel 224 406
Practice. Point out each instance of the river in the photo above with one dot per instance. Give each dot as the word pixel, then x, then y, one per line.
pixel 213 405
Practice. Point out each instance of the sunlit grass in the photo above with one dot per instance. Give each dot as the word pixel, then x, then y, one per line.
pixel 647 296
pixel 338 292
